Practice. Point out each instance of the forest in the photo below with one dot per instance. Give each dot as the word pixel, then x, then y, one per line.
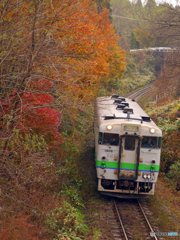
pixel 56 58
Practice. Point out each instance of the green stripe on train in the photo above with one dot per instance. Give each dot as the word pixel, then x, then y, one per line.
pixel 132 166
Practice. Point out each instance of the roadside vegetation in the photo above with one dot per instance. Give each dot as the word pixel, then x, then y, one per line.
pixel 167 117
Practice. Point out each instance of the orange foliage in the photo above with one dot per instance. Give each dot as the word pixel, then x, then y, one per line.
pixel 144 37
pixel 53 54
pixel 90 44
pixel 65 43
pixel 79 45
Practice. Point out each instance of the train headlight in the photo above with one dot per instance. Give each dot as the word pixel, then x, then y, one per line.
pixel 152 130
pixel 109 127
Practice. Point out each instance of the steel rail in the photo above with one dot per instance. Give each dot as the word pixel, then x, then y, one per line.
pixel 140 96
pixel 122 227
pixel 139 91
pixel 144 215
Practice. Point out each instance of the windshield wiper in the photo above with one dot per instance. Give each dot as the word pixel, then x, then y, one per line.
pixel 155 146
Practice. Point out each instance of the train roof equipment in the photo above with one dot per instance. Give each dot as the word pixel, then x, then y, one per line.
pixel 116 109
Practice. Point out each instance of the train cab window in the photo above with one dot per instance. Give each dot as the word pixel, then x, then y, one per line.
pixel 159 142
pixel 129 143
pixel 109 138
pixel 149 142
pixel 100 140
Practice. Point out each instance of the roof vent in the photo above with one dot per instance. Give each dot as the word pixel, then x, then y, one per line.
pixel 109 117
pixel 122 99
pixel 146 118
pixel 125 103
pixel 120 107
pixel 117 101
pixel 115 96
pixel 127 110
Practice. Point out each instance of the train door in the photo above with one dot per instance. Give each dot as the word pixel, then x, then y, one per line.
pixel 129 157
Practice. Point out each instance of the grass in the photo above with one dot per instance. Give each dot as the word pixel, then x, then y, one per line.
pixel 96 234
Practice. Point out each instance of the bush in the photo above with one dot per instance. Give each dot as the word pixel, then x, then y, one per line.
pixel 66 222
pixel 167 160
pixel 173 174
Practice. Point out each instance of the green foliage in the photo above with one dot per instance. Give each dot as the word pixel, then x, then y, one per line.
pixel 73 193
pixel 168 126
pixel 173 174
pixel 167 116
pixel 138 3
pixel 150 4
pixel 96 234
pixel 29 143
pixel 66 222
pixel 101 4
pixel 140 72
pixel 146 16
pixel 134 44
pixel 167 159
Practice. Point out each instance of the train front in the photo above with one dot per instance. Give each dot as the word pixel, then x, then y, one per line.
pixel 128 148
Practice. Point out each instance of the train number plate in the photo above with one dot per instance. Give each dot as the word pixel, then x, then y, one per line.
pixel 131 128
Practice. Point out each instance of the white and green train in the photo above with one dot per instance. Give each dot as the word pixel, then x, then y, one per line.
pixel 127 148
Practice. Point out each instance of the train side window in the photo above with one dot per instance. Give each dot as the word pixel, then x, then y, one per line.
pixel 100 138
pixel 159 142
pixel 110 138
pixel 149 142
pixel 129 143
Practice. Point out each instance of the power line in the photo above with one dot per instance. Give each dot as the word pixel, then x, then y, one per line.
pixel 134 19
pixel 141 20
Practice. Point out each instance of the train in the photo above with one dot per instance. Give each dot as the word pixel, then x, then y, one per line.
pixel 127 148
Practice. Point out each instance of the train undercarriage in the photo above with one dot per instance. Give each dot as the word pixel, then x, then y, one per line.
pixel 119 188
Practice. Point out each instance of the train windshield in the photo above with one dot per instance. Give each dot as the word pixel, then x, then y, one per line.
pixel 151 142
pixel 109 138
pixel 130 143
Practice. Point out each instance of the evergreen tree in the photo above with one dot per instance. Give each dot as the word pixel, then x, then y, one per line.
pixel 150 4
pixel 134 44
pixel 103 4
pixel 139 3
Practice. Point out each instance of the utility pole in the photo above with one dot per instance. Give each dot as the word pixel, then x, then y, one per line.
pixel 157 100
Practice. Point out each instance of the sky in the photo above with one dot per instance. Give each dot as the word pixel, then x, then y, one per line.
pixel 173 2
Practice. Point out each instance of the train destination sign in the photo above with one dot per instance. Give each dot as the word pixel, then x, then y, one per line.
pixel 131 128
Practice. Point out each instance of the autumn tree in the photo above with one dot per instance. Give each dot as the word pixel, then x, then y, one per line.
pixel 168 84
pixel 166 33
pixel 144 37
pixel 54 56
pixel 67 45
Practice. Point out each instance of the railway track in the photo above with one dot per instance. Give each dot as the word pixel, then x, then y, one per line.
pixel 140 93
pixel 130 221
